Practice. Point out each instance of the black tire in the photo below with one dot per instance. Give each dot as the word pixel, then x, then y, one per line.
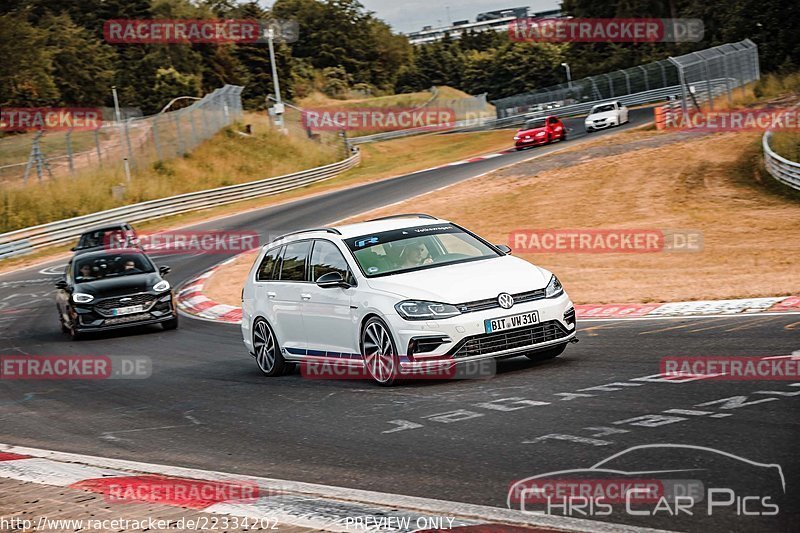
pixel 268 354
pixel 551 353
pixel 376 340
pixel 170 324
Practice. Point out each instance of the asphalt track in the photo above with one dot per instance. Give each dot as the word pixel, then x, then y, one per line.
pixel 207 406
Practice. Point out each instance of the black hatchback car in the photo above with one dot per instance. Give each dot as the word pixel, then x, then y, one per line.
pixel 112 235
pixel 111 289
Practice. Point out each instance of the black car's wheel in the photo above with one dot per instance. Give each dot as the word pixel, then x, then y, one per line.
pixel 170 324
pixel 551 353
pixel 380 356
pixel 268 354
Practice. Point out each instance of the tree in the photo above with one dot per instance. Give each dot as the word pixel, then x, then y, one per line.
pixel 25 71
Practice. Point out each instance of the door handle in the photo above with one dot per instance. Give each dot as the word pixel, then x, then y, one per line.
pixel 305 296
pixel 271 294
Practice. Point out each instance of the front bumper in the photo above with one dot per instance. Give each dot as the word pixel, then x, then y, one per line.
pixel 89 318
pixel 534 141
pixel 463 338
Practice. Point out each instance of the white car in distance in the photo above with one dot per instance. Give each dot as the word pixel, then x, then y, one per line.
pixel 397 296
pixel 606 116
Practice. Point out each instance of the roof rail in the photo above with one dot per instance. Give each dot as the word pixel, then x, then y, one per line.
pixel 405 215
pixel 327 230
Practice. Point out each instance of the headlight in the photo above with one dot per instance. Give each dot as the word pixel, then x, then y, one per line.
pixel 161 286
pixel 554 288
pixel 516 137
pixel 420 310
pixel 82 298
pixel 540 133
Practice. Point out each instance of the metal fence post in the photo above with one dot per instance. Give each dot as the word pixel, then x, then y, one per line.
pixel 156 140
pixel 128 142
pixel 644 72
pixel 97 145
pixel 68 143
pixel 627 80
pixel 178 133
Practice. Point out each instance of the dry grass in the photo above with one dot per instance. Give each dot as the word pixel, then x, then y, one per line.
pixel 228 158
pixel 707 184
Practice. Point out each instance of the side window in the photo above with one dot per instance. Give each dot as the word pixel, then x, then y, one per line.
pixel 267 267
pixel 293 267
pixel 619 105
pixel 326 258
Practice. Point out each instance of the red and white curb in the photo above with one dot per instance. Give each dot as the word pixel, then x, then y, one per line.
pixel 287 503
pixel 192 301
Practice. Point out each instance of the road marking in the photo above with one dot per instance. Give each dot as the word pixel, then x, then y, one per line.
pixel 670 328
pixel 752 324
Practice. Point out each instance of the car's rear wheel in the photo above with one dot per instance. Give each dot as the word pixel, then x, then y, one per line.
pixel 268 354
pixel 550 353
pixel 380 356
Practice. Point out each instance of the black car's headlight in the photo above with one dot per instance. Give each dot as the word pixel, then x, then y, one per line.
pixel 82 298
pixel 553 288
pixel 161 286
pixel 423 310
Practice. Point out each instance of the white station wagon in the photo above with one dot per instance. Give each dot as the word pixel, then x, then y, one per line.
pixel 396 295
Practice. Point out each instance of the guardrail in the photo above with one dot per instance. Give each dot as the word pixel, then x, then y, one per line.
pixel 26 240
pixel 780 168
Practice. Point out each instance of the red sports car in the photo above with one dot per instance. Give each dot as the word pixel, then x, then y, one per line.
pixel 540 131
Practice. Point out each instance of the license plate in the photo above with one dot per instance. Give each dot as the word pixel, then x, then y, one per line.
pixel 511 322
pixel 127 310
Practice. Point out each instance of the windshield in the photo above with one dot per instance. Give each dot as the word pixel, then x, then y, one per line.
pixel 534 123
pixel 409 249
pixel 105 237
pixel 603 108
pixel 111 266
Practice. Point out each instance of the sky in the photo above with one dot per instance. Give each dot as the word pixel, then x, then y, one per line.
pixel 411 15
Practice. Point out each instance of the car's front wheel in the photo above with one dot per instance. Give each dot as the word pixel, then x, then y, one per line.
pixel 268 354
pixel 550 353
pixel 380 356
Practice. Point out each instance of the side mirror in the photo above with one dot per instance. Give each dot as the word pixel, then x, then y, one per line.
pixel 503 248
pixel 164 270
pixel 73 248
pixel 61 284
pixel 331 280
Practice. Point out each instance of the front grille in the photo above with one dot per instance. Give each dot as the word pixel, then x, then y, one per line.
pixel 491 303
pixel 489 343
pixel 104 307
pixel 124 319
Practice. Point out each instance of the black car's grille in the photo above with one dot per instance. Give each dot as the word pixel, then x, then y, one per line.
pixel 105 307
pixel 124 319
pixel 491 303
pixel 489 343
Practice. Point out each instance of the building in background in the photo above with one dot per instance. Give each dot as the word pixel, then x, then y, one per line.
pixel 497 20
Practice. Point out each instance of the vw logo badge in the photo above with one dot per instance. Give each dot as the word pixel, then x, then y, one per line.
pixel 505 300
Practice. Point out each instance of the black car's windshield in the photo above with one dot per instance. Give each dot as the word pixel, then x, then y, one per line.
pixel 89 268
pixel 603 108
pixel 402 250
pixel 534 123
pixel 107 237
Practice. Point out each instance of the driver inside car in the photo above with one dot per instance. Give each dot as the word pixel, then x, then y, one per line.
pixel 414 255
